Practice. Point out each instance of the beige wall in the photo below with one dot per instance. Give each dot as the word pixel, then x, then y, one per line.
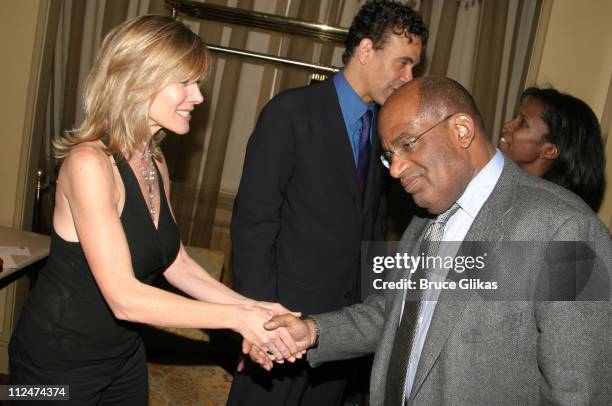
pixel 577 55
pixel 577 58
pixel 17 38
pixel 20 29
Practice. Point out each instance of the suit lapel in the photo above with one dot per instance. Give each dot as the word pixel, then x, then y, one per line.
pixel 408 244
pixel 489 225
pixel 373 183
pixel 337 141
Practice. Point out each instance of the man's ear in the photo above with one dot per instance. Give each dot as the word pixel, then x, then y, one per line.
pixel 549 151
pixel 462 127
pixel 365 50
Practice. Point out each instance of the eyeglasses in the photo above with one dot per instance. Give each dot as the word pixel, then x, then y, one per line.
pixel 387 157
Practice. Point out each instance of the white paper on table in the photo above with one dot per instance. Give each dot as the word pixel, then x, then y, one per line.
pixel 24 251
pixel 8 261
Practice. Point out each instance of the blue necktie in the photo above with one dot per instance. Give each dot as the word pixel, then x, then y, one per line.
pixel 364 150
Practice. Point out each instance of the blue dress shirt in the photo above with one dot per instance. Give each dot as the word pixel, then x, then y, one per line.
pixel 353 107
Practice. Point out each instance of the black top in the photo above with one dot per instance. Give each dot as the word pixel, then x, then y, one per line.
pixel 66 318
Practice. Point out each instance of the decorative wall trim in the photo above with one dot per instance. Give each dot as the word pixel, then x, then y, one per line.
pixel 254 19
pixel 44 43
pixel 320 69
pixel 539 42
pixel 606 115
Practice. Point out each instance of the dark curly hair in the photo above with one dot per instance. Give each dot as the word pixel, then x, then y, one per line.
pixel 574 129
pixel 374 21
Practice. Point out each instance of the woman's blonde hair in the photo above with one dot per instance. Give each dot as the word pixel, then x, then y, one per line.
pixel 137 59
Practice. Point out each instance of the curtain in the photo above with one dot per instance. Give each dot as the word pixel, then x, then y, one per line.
pixel 484 44
pixel 204 182
pixel 79 31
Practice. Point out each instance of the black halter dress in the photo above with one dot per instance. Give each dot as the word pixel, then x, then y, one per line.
pixel 66 322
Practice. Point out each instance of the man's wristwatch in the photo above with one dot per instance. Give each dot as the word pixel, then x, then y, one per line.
pixel 317 331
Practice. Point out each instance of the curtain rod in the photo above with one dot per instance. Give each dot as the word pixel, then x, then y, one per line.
pixel 258 20
pixel 325 70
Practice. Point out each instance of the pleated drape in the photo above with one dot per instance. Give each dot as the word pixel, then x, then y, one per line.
pixel 484 44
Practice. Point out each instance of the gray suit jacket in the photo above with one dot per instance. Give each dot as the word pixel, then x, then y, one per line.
pixel 480 352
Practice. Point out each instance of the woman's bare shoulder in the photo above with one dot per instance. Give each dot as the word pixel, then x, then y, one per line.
pixel 85 152
pixel 85 158
pixel 87 163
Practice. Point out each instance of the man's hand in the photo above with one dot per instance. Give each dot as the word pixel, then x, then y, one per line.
pixel 277 308
pixel 278 345
pixel 303 332
pixel 261 358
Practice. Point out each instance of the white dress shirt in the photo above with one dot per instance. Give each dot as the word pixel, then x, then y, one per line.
pixel 470 202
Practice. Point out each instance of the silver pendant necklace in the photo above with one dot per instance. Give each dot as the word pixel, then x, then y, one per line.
pixel 145 164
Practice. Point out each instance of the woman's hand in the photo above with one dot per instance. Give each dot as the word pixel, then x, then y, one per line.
pixel 277 308
pixel 280 310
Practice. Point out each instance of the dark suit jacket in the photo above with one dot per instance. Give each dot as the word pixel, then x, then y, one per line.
pixel 492 352
pixel 299 216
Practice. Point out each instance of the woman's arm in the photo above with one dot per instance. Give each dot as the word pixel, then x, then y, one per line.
pixel 187 275
pixel 87 183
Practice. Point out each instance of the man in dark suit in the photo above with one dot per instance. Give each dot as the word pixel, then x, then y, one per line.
pixel 536 331
pixel 311 192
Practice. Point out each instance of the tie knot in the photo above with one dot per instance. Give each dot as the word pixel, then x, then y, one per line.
pixel 443 217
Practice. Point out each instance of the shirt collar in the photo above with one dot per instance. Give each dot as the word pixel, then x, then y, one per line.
pixel 352 106
pixel 481 186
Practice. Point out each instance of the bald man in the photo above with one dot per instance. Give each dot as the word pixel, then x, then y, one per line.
pixel 466 346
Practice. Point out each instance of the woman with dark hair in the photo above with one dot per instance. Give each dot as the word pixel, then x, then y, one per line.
pixel 557 136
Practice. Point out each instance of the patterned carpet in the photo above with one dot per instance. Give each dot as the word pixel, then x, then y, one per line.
pixel 190 367
pixel 190 385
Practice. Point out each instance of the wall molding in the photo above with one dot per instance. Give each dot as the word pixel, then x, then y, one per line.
pixel 34 123
pixel 606 116
pixel 538 42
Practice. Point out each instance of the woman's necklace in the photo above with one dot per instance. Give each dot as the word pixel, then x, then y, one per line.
pixel 146 166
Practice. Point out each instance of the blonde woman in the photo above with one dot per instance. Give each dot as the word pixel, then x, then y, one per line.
pixel 114 232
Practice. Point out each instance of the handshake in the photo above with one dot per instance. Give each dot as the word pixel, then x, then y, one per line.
pixel 288 338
